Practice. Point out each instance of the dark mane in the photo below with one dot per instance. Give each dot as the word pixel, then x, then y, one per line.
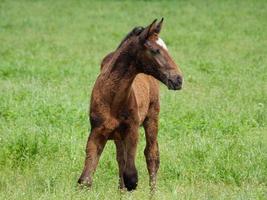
pixel 135 31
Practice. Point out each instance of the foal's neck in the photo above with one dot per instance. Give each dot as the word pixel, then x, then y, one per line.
pixel 118 77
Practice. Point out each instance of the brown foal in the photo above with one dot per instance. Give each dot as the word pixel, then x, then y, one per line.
pixel 126 96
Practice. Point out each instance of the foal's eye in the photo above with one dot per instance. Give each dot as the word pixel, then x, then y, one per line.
pixel 155 51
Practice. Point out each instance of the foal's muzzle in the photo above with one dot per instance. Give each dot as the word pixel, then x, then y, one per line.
pixel 175 82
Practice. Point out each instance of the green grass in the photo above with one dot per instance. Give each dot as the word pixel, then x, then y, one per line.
pixel 212 137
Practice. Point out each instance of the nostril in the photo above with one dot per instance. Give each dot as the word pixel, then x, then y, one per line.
pixel 179 80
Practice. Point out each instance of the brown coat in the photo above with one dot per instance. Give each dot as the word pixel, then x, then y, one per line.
pixel 126 96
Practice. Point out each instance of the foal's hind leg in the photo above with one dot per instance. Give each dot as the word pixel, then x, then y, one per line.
pixel 95 145
pixel 151 150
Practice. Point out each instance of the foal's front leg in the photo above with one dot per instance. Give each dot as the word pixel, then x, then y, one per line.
pixel 121 156
pixel 95 145
pixel 151 150
pixel 130 176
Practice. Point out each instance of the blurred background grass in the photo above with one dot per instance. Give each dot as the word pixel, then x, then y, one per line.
pixel 212 136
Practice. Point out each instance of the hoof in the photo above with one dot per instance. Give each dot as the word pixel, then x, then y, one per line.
pixel 85 182
pixel 130 180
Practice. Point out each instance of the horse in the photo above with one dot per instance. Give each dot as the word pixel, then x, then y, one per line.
pixel 125 96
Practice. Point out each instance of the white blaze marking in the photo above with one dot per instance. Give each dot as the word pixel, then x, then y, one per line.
pixel 161 43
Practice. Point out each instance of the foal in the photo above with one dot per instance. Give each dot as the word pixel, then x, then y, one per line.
pixel 126 96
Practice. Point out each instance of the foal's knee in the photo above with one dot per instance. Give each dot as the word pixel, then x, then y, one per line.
pixel 130 179
pixel 152 150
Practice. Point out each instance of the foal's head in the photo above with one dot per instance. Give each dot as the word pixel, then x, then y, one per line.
pixel 154 59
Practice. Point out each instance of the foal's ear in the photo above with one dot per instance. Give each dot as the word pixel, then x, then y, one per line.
pixel 159 25
pixel 149 30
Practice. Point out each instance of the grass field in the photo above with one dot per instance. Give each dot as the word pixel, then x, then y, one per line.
pixel 213 134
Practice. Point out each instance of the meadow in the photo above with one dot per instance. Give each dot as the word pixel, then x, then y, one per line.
pixel 212 136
